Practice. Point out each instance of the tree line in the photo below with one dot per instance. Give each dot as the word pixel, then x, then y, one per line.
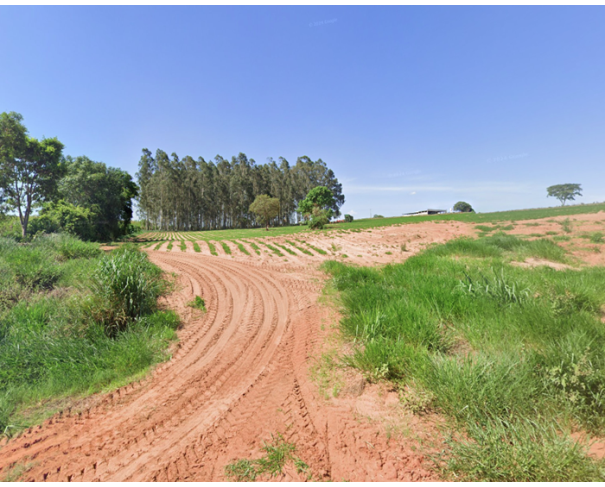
pixel 77 195
pixel 195 194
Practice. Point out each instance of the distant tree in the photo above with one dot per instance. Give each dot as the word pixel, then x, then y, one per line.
pixel 265 208
pixel 319 197
pixel 348 218
pixel 464 207
pixel 29 169
pixel 564 192
pixel 378 216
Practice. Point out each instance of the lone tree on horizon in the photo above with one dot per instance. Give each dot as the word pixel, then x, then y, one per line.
pixel 265 208
pixel 464 207
pixel 564 192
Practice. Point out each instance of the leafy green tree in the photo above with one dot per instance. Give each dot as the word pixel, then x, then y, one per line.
pixel 29 169
pixel 564 192
pixel 265 208
pixel 319 197
pixel 348 218
pixel 106 191
pixel 319 218
pixel 60 216
pixel 463 207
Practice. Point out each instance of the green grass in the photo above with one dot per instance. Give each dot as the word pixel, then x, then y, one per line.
pixel 226 248
pixel 196 247
pixel 298 247
pixel 90 327
pixel 197 303
pixel 368 223
pixel 276 455
pixel 514 356
pixel 241 248
pixel 169 247
pixel 183 246
pixel 157 247
pixel 212 248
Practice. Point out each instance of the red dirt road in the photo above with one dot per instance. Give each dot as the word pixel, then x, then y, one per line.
pixel 239 375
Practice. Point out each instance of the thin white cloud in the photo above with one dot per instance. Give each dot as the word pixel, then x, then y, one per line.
pixel 413 192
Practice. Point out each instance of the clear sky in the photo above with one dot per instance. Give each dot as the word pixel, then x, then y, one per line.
pixel 412 107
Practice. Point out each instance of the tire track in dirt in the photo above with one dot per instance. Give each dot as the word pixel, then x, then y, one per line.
pixel 238 375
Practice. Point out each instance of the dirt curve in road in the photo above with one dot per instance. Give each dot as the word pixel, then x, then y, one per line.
pixel 240 374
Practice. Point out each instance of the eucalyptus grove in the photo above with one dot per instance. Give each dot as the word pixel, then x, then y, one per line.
pixel 189 194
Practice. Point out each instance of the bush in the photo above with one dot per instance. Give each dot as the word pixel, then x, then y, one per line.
pixel 348 218
pixel 319 219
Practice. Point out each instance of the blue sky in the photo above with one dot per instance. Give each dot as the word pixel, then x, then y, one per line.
pixel 412 107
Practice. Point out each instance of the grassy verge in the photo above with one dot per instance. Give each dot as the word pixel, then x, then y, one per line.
pixel 73 322
pixel 514 356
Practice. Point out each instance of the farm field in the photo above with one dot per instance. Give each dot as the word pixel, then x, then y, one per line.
pixel 272 364
pixel 369 223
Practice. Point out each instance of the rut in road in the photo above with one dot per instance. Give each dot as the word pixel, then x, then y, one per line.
pixel 238 376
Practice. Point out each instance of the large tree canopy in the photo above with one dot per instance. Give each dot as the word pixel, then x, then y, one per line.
pixel 29 169
pixel 106 191
pixel 463 206
pixel 195 194
pixel 564 192
pixel 265 208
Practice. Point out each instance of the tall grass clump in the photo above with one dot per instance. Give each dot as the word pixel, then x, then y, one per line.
pixel 489 343
pixel 124 287
pixel 93 323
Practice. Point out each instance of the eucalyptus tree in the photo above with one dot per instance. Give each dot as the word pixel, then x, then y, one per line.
pixel 189 194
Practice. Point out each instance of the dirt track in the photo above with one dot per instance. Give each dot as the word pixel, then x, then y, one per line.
pixel 239 375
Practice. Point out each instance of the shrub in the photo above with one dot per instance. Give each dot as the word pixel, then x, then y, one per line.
pixel 319 219
pixel 348 218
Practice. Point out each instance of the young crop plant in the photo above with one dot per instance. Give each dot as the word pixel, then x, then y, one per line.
pixel 226 248
pixel 183 246
pixel 317 249
pixel 566 225
pixel 196 247
pixel 298 247
pixel 241 248
pixel 169 247
pixel 290 251
pixel 212 248
pixel 273 249
pixel 255 247
pixel 157 247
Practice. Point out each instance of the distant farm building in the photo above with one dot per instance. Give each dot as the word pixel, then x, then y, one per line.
pixel 430 211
